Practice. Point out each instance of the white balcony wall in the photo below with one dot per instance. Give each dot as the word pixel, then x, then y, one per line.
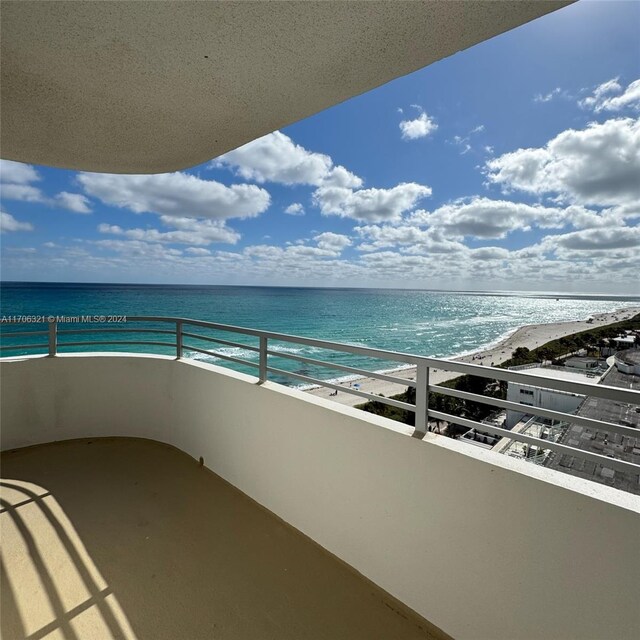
pixel 481 545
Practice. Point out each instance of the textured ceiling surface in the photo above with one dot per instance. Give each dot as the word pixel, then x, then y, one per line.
pixel 146 87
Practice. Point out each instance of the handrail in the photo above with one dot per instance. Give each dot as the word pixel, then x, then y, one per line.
pixel 183 328
pixel 464 368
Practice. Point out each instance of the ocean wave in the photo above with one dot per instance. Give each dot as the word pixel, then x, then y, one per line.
pixel 280 348
pixel 234 352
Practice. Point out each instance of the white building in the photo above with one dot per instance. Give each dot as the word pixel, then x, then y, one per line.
pixel 533 396
pixel 628 361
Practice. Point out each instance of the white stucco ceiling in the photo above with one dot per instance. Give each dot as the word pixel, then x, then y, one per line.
pixel 146 87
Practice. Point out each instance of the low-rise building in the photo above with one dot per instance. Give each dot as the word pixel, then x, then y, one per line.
pixel 628 361
pixel 602 441
pixel 533 396
pixel 582 361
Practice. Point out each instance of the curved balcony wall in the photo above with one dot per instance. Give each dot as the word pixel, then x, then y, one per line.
pixel 479 544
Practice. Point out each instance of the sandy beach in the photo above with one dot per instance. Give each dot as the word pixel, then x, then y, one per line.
pixel 529 336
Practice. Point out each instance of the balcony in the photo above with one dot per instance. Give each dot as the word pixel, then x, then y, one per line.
pixel 384 531
pixel 129 538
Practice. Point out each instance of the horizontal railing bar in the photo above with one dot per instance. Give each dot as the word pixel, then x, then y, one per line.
pixel 593 390
pixel 465 368
pixel 228 343
pixel 133 342
pixel 338 387
pixel 116 330
pixel 536 411
pixel 283 337
pixel 612 463
pixel 11 334
pixel 215 354
pixel 342 367
pixel 462 368
pixel 24 346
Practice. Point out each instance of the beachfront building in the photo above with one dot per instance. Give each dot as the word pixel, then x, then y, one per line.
pixel 582 361
pixel 628 361
pixel 624 341
pixel 606 440
pixel 157 497
pixel 538 396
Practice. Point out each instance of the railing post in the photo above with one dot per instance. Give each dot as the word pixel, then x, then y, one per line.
pixel 422 400
pixel 53 338
pixel 178 339
pixel 262 375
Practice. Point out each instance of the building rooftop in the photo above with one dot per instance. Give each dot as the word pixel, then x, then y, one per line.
pixel 560 373
pixel 133 539
pixel 629 356
pixel 604 442
pixel 578 360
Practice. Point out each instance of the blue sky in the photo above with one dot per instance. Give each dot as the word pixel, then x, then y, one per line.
pixel 513 165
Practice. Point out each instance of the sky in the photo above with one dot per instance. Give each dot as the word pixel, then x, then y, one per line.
pixel 513 165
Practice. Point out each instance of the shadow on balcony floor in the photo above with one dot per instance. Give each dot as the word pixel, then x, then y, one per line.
pixel 125 538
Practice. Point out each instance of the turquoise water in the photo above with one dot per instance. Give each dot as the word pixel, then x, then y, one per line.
pixel 432 323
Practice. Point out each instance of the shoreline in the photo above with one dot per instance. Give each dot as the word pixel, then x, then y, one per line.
pixel 529 336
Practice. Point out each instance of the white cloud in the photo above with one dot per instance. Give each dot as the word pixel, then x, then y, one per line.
pixel 15 184
pixel 186 231
pixel 547 97
pixel 418 240
pixel 490 219
pixel 489 253
pixel 198 251
pixel 464 142
pixel 598 165
pixel 22 192
pixel 276 158
pixel 335 242
pixel 597 239
pixel 73 202
pixel 17 173
pixel 373 205
pixel 295 209
pixel 176 194
pixel 341 177
pixel 443 230
pixel 610 96
pixel 291 257
pixel 9 223
pixel 419 127
pixel 139 248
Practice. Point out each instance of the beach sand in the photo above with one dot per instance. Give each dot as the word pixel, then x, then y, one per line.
pixel 529 336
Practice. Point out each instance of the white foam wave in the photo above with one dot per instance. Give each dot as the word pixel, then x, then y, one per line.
pixel 234 352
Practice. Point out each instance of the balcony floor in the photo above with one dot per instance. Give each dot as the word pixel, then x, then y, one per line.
pixel 126 538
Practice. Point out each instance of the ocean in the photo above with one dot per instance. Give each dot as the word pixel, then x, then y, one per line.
pixel 431 323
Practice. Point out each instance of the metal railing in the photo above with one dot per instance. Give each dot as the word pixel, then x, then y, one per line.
pixel 184 332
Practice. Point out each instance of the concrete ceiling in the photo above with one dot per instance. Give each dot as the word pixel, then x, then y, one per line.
pixel 147 87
